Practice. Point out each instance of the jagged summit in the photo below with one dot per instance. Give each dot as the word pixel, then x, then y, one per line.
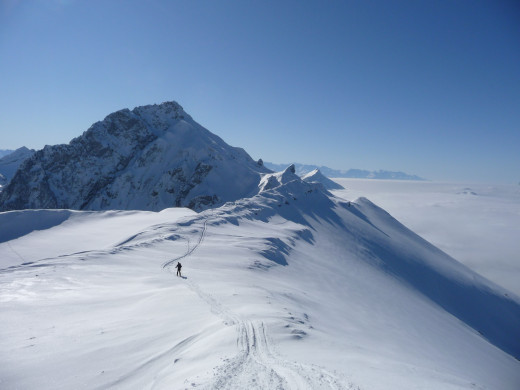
pixel 148 158
pixel 276 179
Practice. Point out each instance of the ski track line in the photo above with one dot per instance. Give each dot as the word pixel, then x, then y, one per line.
pixel 189 251
pixel 256 366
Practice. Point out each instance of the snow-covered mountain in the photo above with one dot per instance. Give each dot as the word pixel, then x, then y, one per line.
pixel 292 288
pixel 316 176
pixel 149 158
pixel 10 163
pixel 304 169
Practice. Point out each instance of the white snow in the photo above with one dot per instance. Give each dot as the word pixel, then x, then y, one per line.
pixel 316 176
pixel 290 289
pixel 65 232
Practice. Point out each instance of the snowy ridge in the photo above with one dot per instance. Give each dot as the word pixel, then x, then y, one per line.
pixel 316 176
pixel 481 231
pixel 442 279
pixel 150 158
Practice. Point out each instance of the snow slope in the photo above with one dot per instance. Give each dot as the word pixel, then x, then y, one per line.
pixel 75 231
pixel 316 176
pixel 290 289
pixel 476 223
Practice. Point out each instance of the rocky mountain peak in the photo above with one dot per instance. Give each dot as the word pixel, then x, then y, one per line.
pixel 148 158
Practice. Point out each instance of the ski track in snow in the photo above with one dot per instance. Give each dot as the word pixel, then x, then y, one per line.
pixel 257 366
pixel 189 251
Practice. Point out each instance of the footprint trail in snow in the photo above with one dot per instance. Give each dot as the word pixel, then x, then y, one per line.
pixel 256 365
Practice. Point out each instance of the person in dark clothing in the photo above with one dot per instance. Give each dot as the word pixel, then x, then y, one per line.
pixel 178 266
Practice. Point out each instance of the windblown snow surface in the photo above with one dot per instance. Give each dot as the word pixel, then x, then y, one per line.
pixel 291 289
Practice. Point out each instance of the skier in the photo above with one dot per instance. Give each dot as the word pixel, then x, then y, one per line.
pixel 178 266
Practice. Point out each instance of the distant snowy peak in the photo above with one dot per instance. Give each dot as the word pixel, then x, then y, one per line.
pixel 317 177
pixel 149 158
pixel 10 163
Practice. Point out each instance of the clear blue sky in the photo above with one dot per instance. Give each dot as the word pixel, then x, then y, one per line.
pixel 426 87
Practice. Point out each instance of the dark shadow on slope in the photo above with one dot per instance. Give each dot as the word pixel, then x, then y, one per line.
pixel 302 203
pixel 395 249
pixel 298 202
pixel 276 251
pixel 494 316
pixel 306 235
pixel 354 210
pixel 16 224
pixel 479 303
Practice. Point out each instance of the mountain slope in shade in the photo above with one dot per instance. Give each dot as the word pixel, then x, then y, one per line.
pixel 149 158
pixel 10 163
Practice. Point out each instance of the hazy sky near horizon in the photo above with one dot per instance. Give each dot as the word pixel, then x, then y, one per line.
pixel 426 87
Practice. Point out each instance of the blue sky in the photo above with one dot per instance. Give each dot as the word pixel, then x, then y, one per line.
pixel 426 87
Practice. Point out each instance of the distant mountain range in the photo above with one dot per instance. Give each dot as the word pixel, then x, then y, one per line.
pixel 303 169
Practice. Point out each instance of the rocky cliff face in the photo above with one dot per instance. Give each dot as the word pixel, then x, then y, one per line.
pixel 149 158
